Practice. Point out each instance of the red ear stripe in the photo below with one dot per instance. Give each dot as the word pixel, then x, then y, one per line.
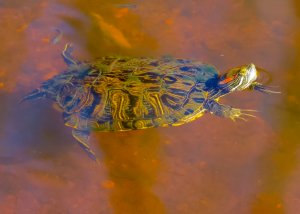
pixel 226 80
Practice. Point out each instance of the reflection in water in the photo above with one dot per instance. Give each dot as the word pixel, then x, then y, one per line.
pixel 133 162
pixel 280 163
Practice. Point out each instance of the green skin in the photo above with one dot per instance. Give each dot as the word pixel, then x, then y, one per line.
pixel 61 88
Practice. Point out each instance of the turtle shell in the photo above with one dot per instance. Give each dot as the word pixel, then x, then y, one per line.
pixel 123 93
pixel 126 93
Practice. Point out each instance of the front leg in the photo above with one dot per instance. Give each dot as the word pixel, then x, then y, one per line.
pixel 262 88
pixel 226 111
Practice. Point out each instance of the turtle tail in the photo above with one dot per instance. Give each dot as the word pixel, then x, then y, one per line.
pixel 35 94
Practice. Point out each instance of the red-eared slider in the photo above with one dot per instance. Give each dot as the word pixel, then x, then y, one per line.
pixel 125 93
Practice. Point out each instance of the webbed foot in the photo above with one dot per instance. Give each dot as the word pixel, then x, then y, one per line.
pixel 235 113
pixel 227 111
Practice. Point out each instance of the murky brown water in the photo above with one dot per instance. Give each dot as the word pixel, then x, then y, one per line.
pixel 209 166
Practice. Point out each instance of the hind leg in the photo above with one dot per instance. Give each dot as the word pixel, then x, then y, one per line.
pixel 226 111
pixel 80 132
pixel 82 138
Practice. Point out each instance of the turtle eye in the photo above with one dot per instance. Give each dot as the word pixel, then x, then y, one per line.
pixel 243 71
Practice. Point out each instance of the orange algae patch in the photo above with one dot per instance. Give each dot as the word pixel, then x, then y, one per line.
pixel 169 21
pixel 22 28
pixel 108 184
pixel 1 85
pixel 121 12
pixel 111 31
pixel 45 40
pixel 50 74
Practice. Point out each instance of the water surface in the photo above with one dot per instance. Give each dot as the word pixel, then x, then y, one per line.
pixel 211 165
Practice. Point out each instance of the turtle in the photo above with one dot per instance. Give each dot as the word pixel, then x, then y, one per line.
pixel 119 93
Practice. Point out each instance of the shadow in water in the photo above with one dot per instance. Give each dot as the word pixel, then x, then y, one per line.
pixel 133 162
pixel 280 163
pixel 106 29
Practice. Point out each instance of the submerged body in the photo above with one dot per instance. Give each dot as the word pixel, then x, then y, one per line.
pixel 125 93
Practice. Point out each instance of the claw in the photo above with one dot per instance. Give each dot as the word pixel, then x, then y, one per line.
pixel 249 110
pixel 240 114
pixel 246 115
pixel 240 118
pixel 249 115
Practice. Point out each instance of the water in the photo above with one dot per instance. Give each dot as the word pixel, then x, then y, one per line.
pixel 211 165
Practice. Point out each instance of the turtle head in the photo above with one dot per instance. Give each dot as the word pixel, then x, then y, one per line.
pixel 238 79
pixel 241 78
